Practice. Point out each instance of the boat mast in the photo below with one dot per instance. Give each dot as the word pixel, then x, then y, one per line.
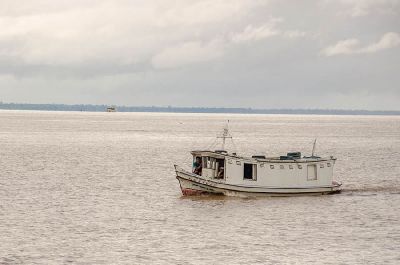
pixel 313 148
pixel 225 135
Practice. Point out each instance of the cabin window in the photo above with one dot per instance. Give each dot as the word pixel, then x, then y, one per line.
pixel 282 167
pixel 329 164
pixel 312 172
pixel 300 166
pixel 208 162
pixel 290 166
pixel 249 171
pixel 213 163
pixel 271 166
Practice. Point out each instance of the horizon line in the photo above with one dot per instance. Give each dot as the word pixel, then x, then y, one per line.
pixel 193 109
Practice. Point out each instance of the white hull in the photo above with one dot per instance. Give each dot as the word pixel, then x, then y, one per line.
pixel 192 184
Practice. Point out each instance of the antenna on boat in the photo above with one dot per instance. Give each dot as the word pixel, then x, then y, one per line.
pixel 313 148
pixel 225 135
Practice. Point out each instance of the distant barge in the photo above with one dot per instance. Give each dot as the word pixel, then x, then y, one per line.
pixel 111 109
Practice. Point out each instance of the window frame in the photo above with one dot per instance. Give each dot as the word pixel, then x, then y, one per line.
pixel 253 171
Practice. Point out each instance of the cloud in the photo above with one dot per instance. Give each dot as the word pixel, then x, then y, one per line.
pixel 353 46
pixel 251 33
pixel 244 52
pixel 388 41
pixel 187 53
pixel 193 52
pixel 348 46
pixel 292 34
pixel 360 8
pixel 110 32
pixel 264 31
pixel 94 35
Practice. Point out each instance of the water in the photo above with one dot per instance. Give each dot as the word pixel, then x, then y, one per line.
pixel 99 188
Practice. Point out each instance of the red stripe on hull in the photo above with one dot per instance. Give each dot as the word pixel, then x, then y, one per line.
pixel 192 192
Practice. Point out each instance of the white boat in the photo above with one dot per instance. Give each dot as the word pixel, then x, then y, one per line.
pixel 221 172
pixel 111 109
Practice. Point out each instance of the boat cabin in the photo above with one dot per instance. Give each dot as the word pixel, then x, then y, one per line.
pixel 225 167
pixel 212 164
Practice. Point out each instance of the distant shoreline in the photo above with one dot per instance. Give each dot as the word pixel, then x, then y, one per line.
pixel 169 109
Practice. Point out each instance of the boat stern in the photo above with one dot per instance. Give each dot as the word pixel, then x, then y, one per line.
pixel 336 187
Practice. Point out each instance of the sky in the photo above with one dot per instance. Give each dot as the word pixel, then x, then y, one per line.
pixel 328 54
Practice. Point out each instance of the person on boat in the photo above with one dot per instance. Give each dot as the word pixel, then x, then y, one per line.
pixel 220 173
pixel 197 166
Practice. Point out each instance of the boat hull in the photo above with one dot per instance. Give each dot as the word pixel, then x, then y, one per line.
pixel 192 184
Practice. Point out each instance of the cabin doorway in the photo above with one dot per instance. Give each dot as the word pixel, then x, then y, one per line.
pixel 220 169
pixel 312 172
pixel 249 171
pixel 197 165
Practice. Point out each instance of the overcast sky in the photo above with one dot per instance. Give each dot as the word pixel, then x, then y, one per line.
pixel 232 53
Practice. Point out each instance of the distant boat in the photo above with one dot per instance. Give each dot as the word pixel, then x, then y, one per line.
pixel 111 109
pixel 220 172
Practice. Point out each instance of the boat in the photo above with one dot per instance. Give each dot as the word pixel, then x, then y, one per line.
pixel 227 173
pixel 111 109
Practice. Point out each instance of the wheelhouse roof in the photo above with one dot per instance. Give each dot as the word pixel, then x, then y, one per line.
pixel 224 154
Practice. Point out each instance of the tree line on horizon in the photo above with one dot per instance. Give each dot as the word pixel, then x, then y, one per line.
pixel 103 108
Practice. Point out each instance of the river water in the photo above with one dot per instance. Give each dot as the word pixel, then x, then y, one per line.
pixel 99 188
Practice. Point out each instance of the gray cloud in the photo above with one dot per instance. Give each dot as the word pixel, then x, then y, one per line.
pixel 352 46
pixel 245 53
